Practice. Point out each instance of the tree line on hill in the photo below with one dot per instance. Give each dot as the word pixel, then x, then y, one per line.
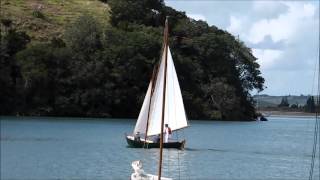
pixel 311 106
pixel 101 71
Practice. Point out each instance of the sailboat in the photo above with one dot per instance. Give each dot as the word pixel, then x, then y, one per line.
pixel 163 104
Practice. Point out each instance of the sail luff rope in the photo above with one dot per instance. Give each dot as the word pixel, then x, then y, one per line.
pixel 151 92
pixel 175 115
pixel 317 113
pixel 153 84
pixel 318 104
pixel 315 142
pixel 315 136
pixel 317 126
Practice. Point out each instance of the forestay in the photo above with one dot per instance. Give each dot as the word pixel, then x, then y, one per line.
pixel 174 109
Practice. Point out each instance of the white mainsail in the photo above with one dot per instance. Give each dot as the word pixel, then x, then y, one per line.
pixel 175 115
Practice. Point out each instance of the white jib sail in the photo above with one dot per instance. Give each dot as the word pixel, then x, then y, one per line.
pixel 175 115
pixel 143 115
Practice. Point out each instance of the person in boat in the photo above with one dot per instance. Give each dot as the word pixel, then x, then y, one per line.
pixel 137 136
pixel 167 132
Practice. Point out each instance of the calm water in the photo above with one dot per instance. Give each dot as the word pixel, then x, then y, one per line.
pixel 62 148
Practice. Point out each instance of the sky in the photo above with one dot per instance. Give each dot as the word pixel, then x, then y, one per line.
pixel 283 35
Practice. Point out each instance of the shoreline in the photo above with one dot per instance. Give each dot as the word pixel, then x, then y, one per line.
pixel 293 114
pixel 267 114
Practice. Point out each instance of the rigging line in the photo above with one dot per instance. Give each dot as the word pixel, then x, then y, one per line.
pixel 317 111
pixel 317 104
pixel 177 135
pixel 146 131
pixel 313 83
pixel 153 86
pixel 167 160
pixel 318 96
pixel 187 163
pixel 315 136
pixel 186 170
pixel 317 127
pixel 175 111
pixel 318 143
pixel 314 77
pixel 317 108
pixel 179 163
pixel 151 94
pixel 169 110
pixel 156 91
pixel 314 149
pixel 174 99
pixel 153 82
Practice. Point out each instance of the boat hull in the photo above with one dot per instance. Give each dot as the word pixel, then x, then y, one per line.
pixel 150 144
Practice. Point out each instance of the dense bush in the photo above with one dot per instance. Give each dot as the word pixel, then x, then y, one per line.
pixel 12 41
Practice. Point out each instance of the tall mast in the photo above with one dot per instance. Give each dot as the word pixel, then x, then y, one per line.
pixel 164 95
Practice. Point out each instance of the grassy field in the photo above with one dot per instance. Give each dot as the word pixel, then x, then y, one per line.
pixel 45 19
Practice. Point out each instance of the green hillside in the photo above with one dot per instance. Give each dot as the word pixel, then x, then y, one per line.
pixel 44 19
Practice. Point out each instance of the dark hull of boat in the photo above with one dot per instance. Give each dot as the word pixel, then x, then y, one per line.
pixel 262 118
pixel 142 144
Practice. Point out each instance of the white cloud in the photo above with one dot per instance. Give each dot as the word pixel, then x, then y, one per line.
pixel 197 16
pixel 283 27
pixel 283 34
pixel 269 9
pixel 239 26
pixel 235 25
pixel 296 32
pixel 259 6
pixel 267 58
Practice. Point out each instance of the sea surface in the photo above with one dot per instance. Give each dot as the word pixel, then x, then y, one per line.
pixel 41 148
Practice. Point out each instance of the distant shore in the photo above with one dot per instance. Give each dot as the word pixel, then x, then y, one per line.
pixel 287 114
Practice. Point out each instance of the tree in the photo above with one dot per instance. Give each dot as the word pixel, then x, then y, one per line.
pixel 146 12
pixel 310 105
pixel 84 36
pixel 44 68
pixel 294 106
pixel 284 102
pixel 223 99
pixel 12 41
